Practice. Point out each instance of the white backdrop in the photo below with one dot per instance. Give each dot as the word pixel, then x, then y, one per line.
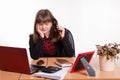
pixel 90 21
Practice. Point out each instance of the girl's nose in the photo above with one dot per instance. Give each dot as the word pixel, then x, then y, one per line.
pixel 43 26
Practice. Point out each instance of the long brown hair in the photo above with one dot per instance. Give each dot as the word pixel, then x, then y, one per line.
pixel 43 16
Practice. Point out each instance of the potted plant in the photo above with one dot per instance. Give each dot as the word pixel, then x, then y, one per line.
pixel 107 55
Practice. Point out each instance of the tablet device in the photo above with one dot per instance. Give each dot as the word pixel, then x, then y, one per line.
pixel 77 65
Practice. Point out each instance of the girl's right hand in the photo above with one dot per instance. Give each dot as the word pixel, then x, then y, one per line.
pixel 39 31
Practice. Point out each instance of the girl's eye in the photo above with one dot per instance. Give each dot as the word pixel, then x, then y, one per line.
pixel 41 24
pixel 46 23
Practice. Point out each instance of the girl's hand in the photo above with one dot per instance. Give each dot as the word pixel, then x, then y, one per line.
pixel 39 31
pixel 62 31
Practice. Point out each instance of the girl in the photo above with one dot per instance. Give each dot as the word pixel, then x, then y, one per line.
pixel 49 39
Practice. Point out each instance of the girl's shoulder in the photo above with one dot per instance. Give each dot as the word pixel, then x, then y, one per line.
pixel 67 31
pixel 31 35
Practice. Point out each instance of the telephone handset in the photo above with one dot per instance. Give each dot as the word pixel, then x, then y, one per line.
pixel 58 30
pixel 55 23
pixel 55 33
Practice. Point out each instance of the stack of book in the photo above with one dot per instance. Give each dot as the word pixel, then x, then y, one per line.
pixel 63 63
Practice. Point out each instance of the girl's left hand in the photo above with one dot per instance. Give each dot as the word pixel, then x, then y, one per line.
pixel 62 31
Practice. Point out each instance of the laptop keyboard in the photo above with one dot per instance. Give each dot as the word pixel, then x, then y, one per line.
pixel 36 68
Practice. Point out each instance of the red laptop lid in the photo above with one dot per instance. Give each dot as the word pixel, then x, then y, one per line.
pixel 78 66
pixel 14 59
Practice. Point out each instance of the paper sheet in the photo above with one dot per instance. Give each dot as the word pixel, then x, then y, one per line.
pixel 59 75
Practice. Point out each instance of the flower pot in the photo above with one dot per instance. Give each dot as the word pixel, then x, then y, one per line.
pixel 106 65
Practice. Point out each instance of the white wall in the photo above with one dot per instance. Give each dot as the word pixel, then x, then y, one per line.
pixel 90 21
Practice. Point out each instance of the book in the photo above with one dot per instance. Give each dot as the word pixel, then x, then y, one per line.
pixel 63 63
pixel 59 75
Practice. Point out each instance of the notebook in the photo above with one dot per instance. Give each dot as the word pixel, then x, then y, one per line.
pixel 78 65
pixel 15 59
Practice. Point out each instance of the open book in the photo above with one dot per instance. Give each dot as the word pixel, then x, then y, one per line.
pixel 59 75
pixel 63 63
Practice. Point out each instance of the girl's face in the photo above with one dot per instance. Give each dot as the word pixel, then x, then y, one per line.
pixel 45 27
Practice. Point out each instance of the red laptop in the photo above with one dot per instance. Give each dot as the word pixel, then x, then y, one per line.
pixel 16 60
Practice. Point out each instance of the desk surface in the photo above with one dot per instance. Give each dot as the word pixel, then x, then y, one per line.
pixel 100 75
pixel 4 75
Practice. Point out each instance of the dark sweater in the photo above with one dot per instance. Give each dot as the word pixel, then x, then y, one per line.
pixel 64 47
